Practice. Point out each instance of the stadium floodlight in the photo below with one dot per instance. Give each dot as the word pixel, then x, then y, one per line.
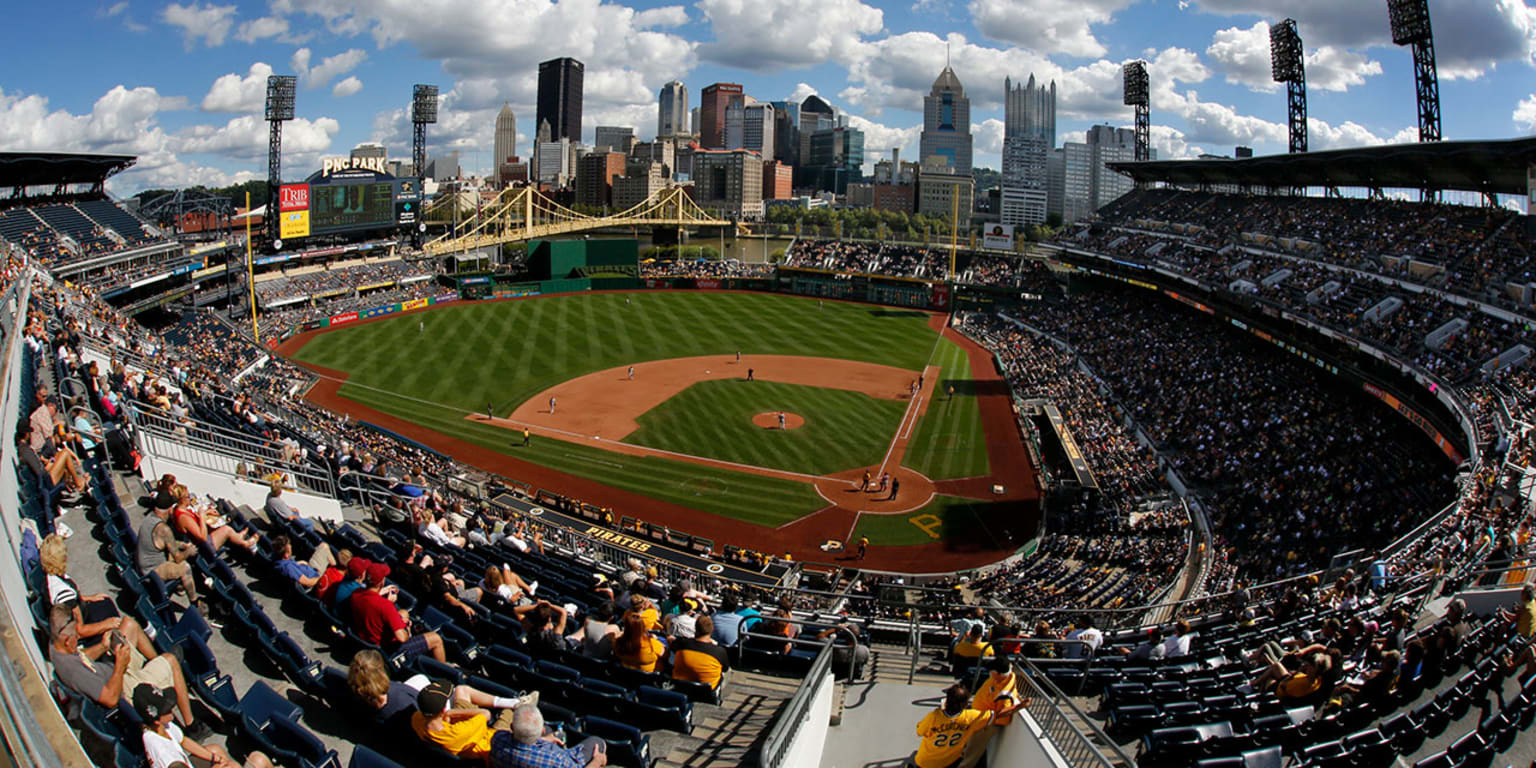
pixel 280 90
pixel 424 104
pixel 1288 64
pixel 1410 21
pixel 1285 54
pixel 1137 92
pixel 280 98
pixel 1136 83
pixel 1410 26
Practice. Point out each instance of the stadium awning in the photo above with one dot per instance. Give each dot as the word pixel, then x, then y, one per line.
pixel 1488 167
pixel 58 169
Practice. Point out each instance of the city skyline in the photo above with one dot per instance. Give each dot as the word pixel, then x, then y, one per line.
pixel 191 112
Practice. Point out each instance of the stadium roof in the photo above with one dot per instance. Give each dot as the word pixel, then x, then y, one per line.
pixel 1491 167
pixel 52 169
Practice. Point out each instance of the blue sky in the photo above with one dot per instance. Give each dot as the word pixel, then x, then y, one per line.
pixel 181 84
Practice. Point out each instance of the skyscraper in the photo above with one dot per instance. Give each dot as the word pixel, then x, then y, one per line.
pixel 713 102
pixel 750 126
pixel 560 98
pixel 1029 133
pixel 618 138
pixel 672 110
pixel 786 132
pixel 505 142
pixel 947 124
pixel 1087 183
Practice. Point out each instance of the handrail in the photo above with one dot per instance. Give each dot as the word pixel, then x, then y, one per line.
pixel 796 711
pixel 229 444
pixel 741 639
pixel 1080 746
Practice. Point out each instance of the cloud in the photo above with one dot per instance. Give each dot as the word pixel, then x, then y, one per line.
pixel 245 137
pixel 764 35
pixel 1243 56
pixel 988 137
pixel 328 69
pixel 801 92
pixel 115 9
pixel 347 87
pixel 1471 36
pixel 268 27
pixel 879 139
pixel 665 16
pixel 209 23
pixel 233 93
pixel 1525 113
pixel 1048 26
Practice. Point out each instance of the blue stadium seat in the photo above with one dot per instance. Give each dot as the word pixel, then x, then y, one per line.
pixel 656 708
pixel 296 743
pixel 437 670
pixel 296 665
pixel 363 757
pixel 626 744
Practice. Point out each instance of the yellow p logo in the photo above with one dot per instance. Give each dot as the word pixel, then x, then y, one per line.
pixel 928 524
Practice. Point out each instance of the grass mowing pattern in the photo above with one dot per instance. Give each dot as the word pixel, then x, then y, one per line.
pixel 842 430
pixel 949 442
pixel 737 495
pixel 507 352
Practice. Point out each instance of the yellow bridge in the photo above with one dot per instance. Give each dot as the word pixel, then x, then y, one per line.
pixel 526 214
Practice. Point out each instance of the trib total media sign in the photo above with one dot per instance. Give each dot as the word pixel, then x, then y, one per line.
pixel 293 211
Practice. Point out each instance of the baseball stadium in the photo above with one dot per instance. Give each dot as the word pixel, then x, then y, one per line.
pixel 1234 470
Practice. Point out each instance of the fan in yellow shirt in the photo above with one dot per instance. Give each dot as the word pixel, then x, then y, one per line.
pixel 998 692
pixel 944 732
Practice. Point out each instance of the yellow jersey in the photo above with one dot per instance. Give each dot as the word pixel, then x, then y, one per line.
pixel 990 697
pixel 942 738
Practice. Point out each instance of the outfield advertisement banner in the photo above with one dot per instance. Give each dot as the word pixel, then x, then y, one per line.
pixel 999 237
pixel 343 319
pixel 708 285
pixel 414 304
pixel 378 311
pixel 439 299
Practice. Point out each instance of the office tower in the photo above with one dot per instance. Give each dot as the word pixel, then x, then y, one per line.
pixel 560 98
pixel 554 162
pixel 786 132
pixel 672 110
pixel 1087 183
pixel 815 115
pixel 615 138
pixel 730 181
pixel 947 124
pixel 778 180
pixel 369 150
pixel 836 159
pixel 1029 133
pixel 713 102
pixel 750 126
pixel 505 141
pixel 595 173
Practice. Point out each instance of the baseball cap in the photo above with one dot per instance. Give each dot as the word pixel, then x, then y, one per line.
pixel 690 604
pixel 151 702
pixel 433 699
pixel 377 573
pixel 357 566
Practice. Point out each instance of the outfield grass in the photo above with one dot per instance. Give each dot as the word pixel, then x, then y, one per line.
pixel 842 430
pixel 949 442
pixel 507 352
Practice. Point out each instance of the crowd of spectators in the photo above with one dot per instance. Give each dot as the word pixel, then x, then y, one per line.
pixel 706 268
pixel 277 321
pixel 335 277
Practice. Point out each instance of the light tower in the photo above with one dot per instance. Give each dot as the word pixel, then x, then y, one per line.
pixel 1410 26
pixel 1288 65
pixel 423 113
pixel 1136 95
pixel 280 90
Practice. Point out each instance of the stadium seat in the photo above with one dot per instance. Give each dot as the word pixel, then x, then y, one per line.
pixel 295 743
pixel 363 757
pixel 656 708
pixel 296 665
pixel 437 670
pixel 626 745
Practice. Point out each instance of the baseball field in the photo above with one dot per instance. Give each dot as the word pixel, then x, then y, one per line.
pixel 668 404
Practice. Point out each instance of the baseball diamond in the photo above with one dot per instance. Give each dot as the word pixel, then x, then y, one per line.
pixel 658 418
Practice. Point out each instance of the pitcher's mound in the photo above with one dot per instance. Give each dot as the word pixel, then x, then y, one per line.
pixel 770 420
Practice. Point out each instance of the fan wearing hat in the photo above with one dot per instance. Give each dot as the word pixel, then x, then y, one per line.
pixel 166 745
pixel 357 570
pixel 447 718
pixel 376 619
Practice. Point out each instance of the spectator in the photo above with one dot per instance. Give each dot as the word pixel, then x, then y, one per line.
pixel 393 702
pixel 972 646
pixel 997 694
pixel 1154 649
pixel 527 746
pixel 543 626
pixel 129 662
pixel 943 733
pixel 94 615
pixel 1084 631
pixel 699 658
pixel 595 638
pixel 683 623
pixel 464 731
pixel 166 745
pixel 642 607
pixel 377 621
pixel 206 525
pixel 1178 645
pixel 731 620
pixel 159 551
pixel 636 647
pixel 62 465
pixel 278 509
pixel 307 574
pixel 356 574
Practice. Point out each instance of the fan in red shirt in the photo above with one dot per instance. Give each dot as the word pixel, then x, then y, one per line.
pixel 376 619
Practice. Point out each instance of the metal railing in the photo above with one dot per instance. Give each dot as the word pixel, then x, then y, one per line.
pixel 1079 742
pixel 191 442
pixel 797 711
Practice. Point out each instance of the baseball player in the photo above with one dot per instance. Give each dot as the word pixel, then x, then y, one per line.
pixel 490 411
pixel 863 546
pixel 526 440
pixel 631 373
pixel 781 420
pixel 551 405
pixel 738 357
pixel 864 486
pixel 895 488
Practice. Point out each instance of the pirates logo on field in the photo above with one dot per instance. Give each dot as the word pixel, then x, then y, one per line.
pixel 832 545
pixel 715 568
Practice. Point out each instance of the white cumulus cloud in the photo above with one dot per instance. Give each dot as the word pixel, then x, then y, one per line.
pixel 233 93
pixel 771 34
pixel 1525 113
pixel 328 69
pixel 208 23
pixel 347 87
pixel 1049 26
